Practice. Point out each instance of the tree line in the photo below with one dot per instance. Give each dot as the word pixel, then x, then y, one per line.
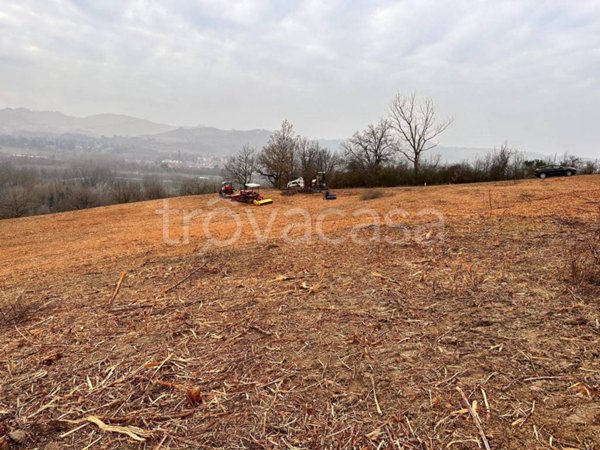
pixel 285 157
pixel 391 152
pixel 28 191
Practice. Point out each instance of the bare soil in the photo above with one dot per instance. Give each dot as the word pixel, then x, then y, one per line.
pixel 269 343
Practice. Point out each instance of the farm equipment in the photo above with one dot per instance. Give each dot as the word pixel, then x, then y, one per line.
pixel 250 195
pixel 298 185
pixel 318 184
pixel 226 190
pixel 294 186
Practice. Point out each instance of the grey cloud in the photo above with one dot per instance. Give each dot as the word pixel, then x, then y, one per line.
pixel 518 70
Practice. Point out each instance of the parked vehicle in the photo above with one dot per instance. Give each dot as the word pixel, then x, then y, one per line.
pixel 554 171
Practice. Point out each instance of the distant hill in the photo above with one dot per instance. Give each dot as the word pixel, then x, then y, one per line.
pixel 216 140
pixel 16 120
pixel 209 139
pixel 131 135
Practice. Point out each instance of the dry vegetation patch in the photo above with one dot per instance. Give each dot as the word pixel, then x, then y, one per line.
pixel 584 259
pixel 17 309
pixel 371 194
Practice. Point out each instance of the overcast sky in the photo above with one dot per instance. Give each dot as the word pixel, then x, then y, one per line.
pixel 526 71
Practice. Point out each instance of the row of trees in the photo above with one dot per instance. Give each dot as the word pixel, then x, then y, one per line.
pixel 504 163
pixel 409 129
pixel 391 152
pixel 286 156
pixel 29 190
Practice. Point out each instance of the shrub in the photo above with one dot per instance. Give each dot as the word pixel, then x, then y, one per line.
pixel 153 188
pixel 195 186
pixel 123 191
pixel 14 311
pixel 585 263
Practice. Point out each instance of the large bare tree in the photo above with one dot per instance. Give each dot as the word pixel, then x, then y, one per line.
pixel 277 159
pixel 312 158
pixel 416 126
pixel 368 150
pixel 241 166
pixel 306 158
pixel 328 161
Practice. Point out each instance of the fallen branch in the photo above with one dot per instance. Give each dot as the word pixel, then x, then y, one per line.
pixel 117 288
pixel 260 330
pixel 140 417
pixel 475 417
pixel 135 433
pixel 187 277
pixel 375 397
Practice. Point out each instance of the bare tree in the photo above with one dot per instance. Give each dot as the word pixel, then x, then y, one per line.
pixel 122 191
pixel 312 158
pixel 416 127
pixel 504 163
pixel 368 150
pixel 277 159
pixel 328 161
pixel 241 166
pixel 590 167
pixel 15 201
pixel 570 160
pixel 500 162
pixel 81 196
pixel 195 186
pixel 306 154
pixel 153 188
pixel 91 174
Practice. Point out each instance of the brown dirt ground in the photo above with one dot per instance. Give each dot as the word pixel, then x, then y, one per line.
pixel 276 344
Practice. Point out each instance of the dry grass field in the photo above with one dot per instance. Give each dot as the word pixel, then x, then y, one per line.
pixel 475 326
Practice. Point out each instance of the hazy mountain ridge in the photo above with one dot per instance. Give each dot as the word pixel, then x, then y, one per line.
pixel 131 134
pixel 209 139
pixel 17 120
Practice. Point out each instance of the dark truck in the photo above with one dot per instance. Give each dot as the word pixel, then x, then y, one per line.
pixel 554 171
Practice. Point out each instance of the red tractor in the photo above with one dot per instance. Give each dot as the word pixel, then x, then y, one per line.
pixel 226 190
